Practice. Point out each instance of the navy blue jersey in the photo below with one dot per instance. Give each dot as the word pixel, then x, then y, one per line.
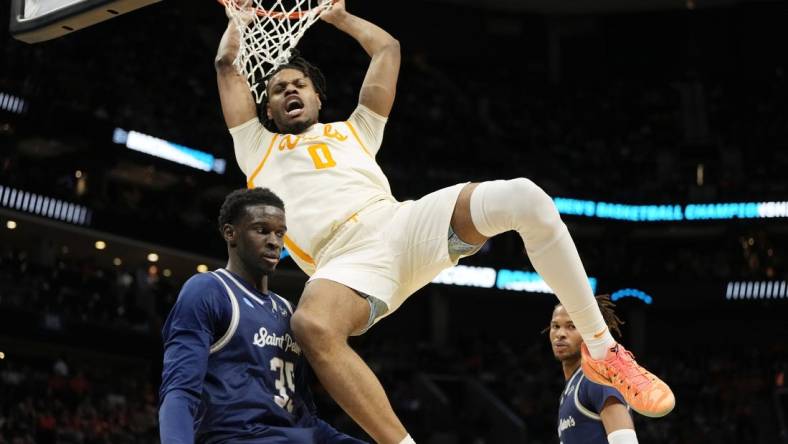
pixel 578 414
pixel 232 369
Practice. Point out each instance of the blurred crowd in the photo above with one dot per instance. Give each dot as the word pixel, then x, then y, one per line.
pixel 46 402
pixel 69 290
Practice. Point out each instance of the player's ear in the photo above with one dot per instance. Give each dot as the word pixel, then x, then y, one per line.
pixel 229 234
pixel 319 103
pixel 268 111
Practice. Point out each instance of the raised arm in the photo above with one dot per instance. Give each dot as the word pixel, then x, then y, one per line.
pixel 238 105
pixel 380 83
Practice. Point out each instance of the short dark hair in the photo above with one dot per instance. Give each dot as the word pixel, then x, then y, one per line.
pixel 236 202
pixel 607 307
pixel 309 70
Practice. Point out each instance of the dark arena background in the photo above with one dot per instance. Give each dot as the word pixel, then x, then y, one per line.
pixel 659 127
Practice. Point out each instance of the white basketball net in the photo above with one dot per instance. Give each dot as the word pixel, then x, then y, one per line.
pixel 267 41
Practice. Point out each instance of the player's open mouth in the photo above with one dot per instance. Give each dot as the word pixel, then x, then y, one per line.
pixel 294 107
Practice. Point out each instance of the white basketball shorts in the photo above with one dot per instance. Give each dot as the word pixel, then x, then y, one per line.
pixel 389 250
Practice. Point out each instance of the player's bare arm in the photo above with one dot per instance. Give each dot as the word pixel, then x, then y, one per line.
pixel 616 418
pixel 238 105
pixel 380 83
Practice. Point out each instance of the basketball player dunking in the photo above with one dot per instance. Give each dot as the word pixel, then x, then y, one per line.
pixel 364 251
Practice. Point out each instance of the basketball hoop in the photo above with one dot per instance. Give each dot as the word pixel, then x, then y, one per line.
pixel 269 30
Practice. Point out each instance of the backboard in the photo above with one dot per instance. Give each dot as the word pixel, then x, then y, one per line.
pixel 35 21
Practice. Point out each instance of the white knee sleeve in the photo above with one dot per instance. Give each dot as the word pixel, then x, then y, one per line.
pixel 518 204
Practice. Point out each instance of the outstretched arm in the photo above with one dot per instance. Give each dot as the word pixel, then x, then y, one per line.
pixel 238 105
pixel 380 83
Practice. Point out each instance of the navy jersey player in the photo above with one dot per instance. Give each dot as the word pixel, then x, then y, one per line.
pixel 589 413
pixel 232 370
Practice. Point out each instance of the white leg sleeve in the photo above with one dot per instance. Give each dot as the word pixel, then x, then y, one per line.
pixel 520 205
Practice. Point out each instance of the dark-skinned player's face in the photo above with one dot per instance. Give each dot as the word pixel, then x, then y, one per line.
pixel 258 237
pixel 293 103
pixel 565 340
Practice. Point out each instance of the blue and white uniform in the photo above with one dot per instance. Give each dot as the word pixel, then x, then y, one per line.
pixel 232 369
pixel 578 413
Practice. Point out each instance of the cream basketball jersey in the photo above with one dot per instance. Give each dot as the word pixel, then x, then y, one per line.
pixel 324 175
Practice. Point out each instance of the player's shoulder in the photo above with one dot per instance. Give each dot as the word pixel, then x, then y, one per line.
pixel 591 393
pixel 206 278
pixel 251 124
pixel 363 113
pixel 587 386
pixel 202 283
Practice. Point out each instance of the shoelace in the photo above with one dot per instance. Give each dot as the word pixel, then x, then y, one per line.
pixel 635 374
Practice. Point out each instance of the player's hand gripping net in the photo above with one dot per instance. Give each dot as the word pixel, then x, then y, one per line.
pixel 269 30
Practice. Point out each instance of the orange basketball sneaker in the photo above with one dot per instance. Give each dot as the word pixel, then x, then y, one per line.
pixel 644 392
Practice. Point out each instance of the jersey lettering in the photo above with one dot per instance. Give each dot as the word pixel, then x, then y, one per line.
pixel 284 383
pixel 321 156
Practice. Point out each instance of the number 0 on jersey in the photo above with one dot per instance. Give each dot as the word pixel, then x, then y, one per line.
pixel 321 156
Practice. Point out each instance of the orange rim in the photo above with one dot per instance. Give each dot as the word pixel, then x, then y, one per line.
pixel 277 14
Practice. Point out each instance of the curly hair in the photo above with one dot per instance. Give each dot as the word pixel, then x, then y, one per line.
pixel 235 203
pixel 301 64
pixel 606 306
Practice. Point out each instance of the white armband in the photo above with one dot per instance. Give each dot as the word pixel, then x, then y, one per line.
pixel 623 436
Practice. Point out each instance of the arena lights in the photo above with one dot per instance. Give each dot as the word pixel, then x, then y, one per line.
pixel 202 268
pixel 631 293
pixel 11 225
pixel 671 212
pixel 100 245
pixel 503 279
pixel 153 257
pixel 466 276
pixel 518 280
pixel 117 262
pixel 12 103
pixel 44 206
pixel 757 290
pixel 169 151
